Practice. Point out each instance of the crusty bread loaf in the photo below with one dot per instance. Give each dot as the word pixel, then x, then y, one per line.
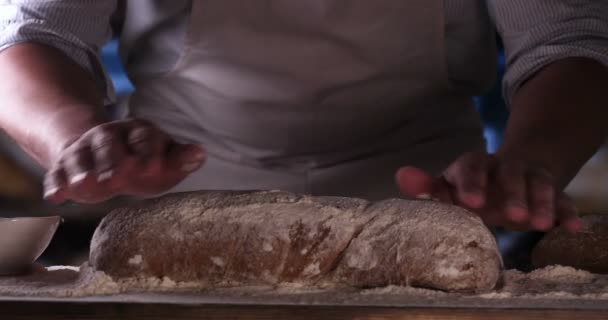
pixel 223 239
pixel 587 250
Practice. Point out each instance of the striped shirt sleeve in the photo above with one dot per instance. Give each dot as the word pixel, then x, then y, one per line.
pixel 76 27
pixel 536 33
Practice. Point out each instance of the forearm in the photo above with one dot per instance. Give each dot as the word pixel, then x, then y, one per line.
pixel 558 117
pixel 48 100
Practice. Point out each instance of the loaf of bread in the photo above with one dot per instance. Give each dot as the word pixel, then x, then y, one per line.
pixel 227 239
pixel 586 250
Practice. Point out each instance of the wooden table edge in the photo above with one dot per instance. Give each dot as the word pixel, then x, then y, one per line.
pixel 127 310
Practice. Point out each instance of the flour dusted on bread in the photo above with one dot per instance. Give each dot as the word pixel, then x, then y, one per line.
pixel 422 244
pixel 230 239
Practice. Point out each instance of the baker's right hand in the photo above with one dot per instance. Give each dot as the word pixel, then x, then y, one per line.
pixel 126 157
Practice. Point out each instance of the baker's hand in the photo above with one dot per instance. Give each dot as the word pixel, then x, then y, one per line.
pixel 508 193
pixel 127 157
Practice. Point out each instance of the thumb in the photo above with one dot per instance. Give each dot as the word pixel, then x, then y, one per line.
pixel 415 182
pixel 186 158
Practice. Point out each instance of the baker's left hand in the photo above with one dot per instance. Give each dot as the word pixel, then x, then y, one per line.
pixel 504 192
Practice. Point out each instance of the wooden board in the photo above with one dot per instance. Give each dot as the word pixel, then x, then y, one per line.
pixel 288 307
pixel 287 303
pixel 116 310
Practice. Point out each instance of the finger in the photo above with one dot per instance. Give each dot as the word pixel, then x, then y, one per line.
pixel 147 141
pixel 185 158
pixel 180 161
pixel 469 176
pixel 567 214
pixel 442 191
pixel 415 183
pixel 150 147
pixel 55 184
pixel 541 198
pixel 109 151
pixel 494 214
pixel 491 217
pixel 78 165
pixel 83 185
pixel 512 184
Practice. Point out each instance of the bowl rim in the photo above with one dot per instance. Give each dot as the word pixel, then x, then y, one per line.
pixel 21 219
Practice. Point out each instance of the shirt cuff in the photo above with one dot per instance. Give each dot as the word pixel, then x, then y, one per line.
pixel 529 64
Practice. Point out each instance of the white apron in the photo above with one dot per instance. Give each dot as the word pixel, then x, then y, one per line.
pixel 325 97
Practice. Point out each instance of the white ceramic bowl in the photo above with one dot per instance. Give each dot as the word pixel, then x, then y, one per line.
pixel 23 240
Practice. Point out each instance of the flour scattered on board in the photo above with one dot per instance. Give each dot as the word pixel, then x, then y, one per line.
pixel 553 282
pixel 392 290
pixel 561 274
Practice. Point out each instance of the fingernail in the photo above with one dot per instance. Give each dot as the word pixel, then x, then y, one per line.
pixel 517 204
pixel 106 175
pixel 475 198
pixel 50 192
pixel 517 211
pixel 542 223
pixel 576 226
pixel 190 166
pixel 78 177
pixel 423 196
